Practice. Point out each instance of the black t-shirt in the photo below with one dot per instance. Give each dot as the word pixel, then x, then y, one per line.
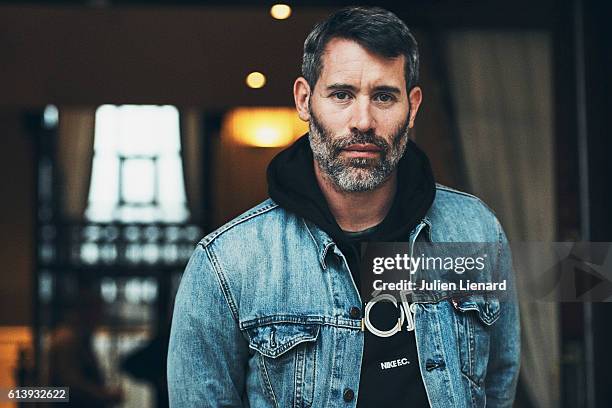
pixel 390 375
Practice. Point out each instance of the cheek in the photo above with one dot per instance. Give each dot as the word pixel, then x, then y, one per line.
pixel 338 124
pixel 332 117
pixel 390 120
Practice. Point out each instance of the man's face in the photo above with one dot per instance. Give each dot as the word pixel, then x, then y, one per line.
pixel 359 116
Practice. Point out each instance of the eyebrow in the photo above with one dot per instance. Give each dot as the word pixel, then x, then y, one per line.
pixel 387 88
pixel 339 86
pixel 381 88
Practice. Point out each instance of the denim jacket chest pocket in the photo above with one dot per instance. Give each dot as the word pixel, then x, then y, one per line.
pixel 475 317
pixel 287 358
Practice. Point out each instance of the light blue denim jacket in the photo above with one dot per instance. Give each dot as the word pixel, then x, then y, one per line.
pixel 262 317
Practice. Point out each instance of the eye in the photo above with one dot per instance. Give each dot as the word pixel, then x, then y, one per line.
pixel 341 95
pixel 385 98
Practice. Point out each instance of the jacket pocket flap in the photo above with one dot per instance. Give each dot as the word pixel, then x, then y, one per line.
pixel 272 340
pixel 487 307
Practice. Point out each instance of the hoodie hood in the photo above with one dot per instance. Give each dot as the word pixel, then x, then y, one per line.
pixel 292 185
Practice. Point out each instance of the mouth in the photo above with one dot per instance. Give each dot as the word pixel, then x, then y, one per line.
pixel 366 150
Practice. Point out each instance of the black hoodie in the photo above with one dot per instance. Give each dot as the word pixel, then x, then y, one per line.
pixel 293 186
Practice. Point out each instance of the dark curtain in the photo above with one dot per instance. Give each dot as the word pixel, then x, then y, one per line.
pixel 192 158
pixel 501 87
pixel 74 157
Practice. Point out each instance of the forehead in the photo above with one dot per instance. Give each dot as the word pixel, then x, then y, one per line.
pixel 346 61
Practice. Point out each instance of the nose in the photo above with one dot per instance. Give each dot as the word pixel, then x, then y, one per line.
pixel 362 119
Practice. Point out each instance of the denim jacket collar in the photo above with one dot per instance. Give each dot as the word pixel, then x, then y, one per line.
pixel 324 242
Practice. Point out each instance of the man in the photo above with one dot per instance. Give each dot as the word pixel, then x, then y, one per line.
pixel 270 309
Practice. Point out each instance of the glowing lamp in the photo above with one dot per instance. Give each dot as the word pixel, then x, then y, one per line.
pixel 263 127
pixel 256 80
pixel 280 11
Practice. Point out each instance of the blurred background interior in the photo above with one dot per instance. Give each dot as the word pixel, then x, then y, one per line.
pixel 130 129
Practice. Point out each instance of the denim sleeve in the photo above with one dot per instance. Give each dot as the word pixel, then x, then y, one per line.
pixel 207 355
pixel 505 351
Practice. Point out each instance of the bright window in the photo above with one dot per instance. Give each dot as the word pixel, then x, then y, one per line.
pixel 137 172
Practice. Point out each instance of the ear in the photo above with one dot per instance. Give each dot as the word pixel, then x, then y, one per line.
pixel 301 96
pixel 415 97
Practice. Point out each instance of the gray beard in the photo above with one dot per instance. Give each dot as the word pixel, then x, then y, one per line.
pixel 356 174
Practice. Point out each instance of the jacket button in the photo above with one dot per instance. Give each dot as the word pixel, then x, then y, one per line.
pixel 355 313
pixel 348 395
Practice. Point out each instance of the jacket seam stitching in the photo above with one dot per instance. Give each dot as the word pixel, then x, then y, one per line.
pixel 463 193
pixel 209 239
pixel 471 385
pixel 310 233
pixel 323 254
pixel 298 378
pixel 222 283
pixel 438 331
pixel 314 376
pixel 452 190
pixel 499 249
pixel 266 376
pixel 316 320
pixel 285 347
pixel 334 325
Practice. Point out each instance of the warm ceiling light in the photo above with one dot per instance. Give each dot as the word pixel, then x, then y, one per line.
pixel 263 127
pixel 280 11
pixel 256 80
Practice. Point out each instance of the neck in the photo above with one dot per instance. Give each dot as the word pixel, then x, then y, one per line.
pixel 357 211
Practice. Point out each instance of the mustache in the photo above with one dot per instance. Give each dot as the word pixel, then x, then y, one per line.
pixel 357 137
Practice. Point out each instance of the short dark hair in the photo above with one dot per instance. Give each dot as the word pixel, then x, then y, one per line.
pixel 374 28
